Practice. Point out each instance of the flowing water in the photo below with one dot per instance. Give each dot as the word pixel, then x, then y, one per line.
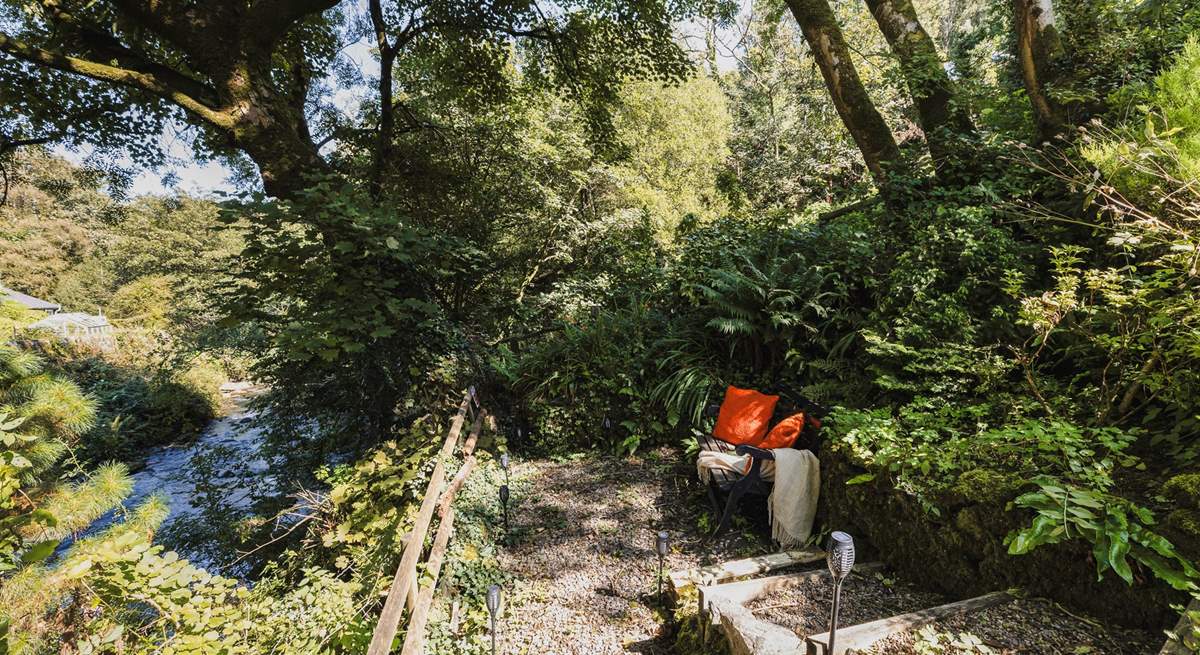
pixel 222 469
pixel 170 471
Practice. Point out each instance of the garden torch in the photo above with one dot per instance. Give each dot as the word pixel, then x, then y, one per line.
pixel 662 546
pixel 504 465
pixel 493 605
pixel 841 560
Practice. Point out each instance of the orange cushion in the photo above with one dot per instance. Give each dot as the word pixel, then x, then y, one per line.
pixel 785 432
pixel 745 416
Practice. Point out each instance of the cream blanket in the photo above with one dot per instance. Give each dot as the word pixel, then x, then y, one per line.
pixel 793 501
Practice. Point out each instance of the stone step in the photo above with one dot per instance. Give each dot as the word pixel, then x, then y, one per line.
pixel 742 568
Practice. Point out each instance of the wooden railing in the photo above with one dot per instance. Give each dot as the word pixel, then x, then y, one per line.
pixel 404 590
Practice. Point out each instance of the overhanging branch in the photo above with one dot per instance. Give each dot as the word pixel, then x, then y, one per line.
pixel 103 46
pixel 276 17
pixel 7 145
pixel 136 79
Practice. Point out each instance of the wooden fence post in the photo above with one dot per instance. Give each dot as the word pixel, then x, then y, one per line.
pixel 405 578
pixel 414 639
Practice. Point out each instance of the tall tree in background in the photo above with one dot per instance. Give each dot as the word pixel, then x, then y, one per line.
pixel 858 113
pixel 942 118
pixel 1037 47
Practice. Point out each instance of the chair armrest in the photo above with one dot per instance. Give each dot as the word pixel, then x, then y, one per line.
pixel 756 453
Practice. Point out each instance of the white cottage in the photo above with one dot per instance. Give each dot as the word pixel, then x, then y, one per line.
pixel 76 326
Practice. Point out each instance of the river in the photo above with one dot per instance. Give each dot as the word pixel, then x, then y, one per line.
pixel 223 466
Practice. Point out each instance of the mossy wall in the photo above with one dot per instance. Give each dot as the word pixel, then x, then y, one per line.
pixel 962 552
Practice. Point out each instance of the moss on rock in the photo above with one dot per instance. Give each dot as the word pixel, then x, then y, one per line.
pixel 691 636
pixel 1184 489
pixel 987 486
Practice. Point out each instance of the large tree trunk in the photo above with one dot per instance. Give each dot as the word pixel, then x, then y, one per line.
pixel 850 98
pixel 932 92
pixel 273 132
pixel 1038 45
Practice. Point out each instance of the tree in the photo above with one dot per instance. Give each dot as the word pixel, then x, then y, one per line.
pixel 789 146
pixel 41 416
pixel 241 70
pixel 858 113
pixel 249 74
pixel 942 118
pixel 1037 47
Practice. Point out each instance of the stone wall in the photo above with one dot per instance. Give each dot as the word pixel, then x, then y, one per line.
pixel 962 552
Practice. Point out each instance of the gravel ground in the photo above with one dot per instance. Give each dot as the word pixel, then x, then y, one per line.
pixel 582 551
pixel 1033 627
pixel 805 609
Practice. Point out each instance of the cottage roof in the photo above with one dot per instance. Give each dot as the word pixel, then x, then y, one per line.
pixel 28 300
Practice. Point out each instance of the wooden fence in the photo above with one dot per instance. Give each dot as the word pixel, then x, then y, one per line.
pixel 406 591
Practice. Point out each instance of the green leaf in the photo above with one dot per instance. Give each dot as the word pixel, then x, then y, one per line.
pixel 1117 550
pixel 39 551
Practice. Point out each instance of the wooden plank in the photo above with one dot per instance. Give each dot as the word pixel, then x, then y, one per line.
pixel 1184 641
pixel 415 637
pixel 861 636
pixel 419 616
pixel 468 465
pixel 747 590
pixel 410 600
pixel 393 607
pixel 710 575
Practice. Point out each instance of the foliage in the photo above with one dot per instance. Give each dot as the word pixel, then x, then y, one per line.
pixel 1117 529
pixel 14 316
pixel 143 398
pixel 674 139
pixel 146 301
pixel 46 499
pixel 343 291
pixel 42 416
pixel 586 386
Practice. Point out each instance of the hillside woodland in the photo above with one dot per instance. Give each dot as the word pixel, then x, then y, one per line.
pixel 967 228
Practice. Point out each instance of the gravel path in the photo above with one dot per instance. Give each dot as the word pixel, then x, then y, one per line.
pixel 1032 627
pixel 582 547
pixel 581 554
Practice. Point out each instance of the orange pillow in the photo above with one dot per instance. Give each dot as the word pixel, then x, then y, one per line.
pixel 745 416
pixel 785 432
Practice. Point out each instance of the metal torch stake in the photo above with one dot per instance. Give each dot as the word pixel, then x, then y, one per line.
pixel 833 620
pixel 840 558
pixel 660 565
pixel 504 503
pixel 662 545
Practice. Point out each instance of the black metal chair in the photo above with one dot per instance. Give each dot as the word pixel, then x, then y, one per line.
pixel 736 486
